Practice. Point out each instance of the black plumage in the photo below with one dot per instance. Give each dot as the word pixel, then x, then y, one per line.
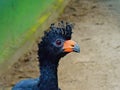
pixel 55 43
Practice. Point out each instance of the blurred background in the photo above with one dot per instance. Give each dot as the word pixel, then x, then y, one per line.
pixel 97 24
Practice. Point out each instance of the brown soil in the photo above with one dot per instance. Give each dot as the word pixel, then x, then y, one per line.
pixel 97 66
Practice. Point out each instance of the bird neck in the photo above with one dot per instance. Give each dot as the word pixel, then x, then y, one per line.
pixel 48 77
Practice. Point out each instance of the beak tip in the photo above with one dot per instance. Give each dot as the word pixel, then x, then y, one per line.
pixel 76 48
pixel 78 51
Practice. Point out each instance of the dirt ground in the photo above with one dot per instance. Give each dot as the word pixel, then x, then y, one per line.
pixel 97 67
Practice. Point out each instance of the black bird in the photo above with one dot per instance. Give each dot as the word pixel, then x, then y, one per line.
pixel 55 44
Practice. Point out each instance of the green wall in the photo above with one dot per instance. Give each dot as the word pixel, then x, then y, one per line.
pixel 20 20
pixel 16 19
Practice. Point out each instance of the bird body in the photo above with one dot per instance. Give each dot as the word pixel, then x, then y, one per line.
pixel 55 44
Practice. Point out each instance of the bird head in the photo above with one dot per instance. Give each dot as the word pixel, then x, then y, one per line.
pixel 57 41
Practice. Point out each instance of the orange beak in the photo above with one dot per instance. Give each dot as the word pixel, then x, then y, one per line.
pixel 71 46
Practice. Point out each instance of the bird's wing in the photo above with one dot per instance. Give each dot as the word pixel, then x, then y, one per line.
pixel 28 84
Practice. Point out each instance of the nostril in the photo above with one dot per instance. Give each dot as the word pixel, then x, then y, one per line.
pixel 72 45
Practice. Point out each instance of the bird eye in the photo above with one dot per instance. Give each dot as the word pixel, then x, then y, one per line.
pixel 58 42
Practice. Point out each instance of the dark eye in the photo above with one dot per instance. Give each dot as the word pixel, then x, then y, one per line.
pixel 58 42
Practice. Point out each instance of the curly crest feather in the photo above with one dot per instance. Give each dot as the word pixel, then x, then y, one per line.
pixel 63 29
